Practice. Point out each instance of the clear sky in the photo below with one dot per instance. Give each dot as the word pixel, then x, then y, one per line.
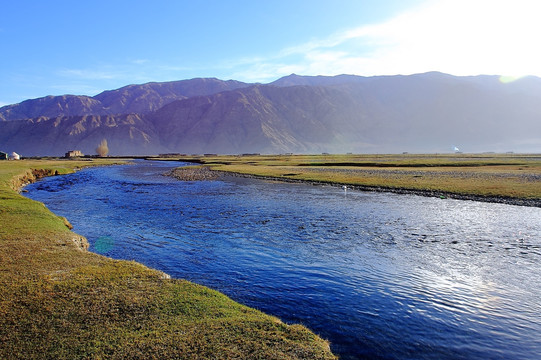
pixel 58 47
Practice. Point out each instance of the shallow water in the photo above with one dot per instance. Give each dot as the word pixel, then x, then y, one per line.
pixel 382 276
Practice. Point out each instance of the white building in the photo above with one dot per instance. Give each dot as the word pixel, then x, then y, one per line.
pixel 73 153
pixel 14 156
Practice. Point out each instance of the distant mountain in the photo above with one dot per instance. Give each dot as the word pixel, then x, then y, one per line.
pixel 51 106
pixel 260 118
pixel 130 99
pixel 296 80
pixel 149 97
pixel 126 134
pixel 431 112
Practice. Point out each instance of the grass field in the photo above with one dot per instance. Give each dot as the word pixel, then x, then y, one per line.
pixel 491 176
pixel 59 301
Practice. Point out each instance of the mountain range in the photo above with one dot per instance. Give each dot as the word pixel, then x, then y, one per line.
pixel 430 112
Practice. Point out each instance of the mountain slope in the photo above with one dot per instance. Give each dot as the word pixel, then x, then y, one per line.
pixel 407 115
pixel 256 119
pixel 152 96
pixel 430 112
pixel 130 99
pixel 126 134
pixel 51 106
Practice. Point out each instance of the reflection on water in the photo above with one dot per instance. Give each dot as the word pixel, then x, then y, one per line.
pixel 382 276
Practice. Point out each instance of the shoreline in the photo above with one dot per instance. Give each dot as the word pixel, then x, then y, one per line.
pixel 404 191
pixel 513 179
pixel 206 173
pixel 62 301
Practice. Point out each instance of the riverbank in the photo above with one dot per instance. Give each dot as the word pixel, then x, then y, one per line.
pixel 60 301
pixel 406 191
pixel 501 178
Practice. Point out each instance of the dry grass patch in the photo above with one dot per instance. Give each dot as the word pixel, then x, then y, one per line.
pixel 515 176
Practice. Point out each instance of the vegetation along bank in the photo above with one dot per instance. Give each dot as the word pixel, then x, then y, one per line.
pixel 60 301
pixel 503 178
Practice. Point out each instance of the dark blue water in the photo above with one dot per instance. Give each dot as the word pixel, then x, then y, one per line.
pixel 382 276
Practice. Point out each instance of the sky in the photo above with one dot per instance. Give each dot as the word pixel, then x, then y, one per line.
pixel 59 47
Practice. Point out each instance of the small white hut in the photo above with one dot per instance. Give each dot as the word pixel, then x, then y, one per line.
pixel 14 156
pixel 73 153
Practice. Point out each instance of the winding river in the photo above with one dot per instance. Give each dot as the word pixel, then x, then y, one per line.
pixel 382 276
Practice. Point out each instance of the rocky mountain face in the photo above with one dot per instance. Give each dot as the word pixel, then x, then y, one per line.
pixel 430 112
pixel 149 97
pixel 51 106
pixel 131 99
pixel 127 134
pixel 260 118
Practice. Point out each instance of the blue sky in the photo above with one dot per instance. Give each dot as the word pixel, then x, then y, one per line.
pixel 58 47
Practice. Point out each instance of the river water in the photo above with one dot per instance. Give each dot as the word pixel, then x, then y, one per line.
pixel 382 276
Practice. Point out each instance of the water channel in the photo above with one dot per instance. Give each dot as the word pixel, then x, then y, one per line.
pixel 382 276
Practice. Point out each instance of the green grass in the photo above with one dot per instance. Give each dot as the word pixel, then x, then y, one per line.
pixel 58 301
pixel 497 175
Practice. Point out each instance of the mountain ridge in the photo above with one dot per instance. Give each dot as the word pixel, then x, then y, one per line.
pixel 430 112
pixel 135 98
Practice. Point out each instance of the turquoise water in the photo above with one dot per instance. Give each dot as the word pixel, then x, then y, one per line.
pixel 382 276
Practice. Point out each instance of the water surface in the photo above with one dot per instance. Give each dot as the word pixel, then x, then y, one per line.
pixel 382 276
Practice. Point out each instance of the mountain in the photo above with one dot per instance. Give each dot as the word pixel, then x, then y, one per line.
pixel 431 112
pixel 51 106
pixel 259 118
pixel 296 80
pixel 149 97
pixel 126 134
pixel 130 99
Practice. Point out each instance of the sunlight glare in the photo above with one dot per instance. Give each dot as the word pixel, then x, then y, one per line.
pixel 509 79
pixel 460 37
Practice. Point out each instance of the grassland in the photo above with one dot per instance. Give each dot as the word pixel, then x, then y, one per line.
pixel 59 301
pixel 510 178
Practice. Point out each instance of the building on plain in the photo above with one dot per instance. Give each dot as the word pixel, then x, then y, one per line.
pixel 14 156
pixel 73 153
pixel 3 155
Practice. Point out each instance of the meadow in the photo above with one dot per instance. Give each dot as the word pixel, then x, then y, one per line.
pixel 512 178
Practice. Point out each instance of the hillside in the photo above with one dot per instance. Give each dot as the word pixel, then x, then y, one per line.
pixel 257 119
pixel 152 96
pixel 126 134
pixel 126 100
pixel 431 112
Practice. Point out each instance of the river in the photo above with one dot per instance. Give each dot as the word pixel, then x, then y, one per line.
pixel 380 275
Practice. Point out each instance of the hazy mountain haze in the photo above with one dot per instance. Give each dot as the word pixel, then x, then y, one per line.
pixel 429 112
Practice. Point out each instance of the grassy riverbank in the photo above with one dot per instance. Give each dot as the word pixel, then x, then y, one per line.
pixel 513 178
pixel 59 301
